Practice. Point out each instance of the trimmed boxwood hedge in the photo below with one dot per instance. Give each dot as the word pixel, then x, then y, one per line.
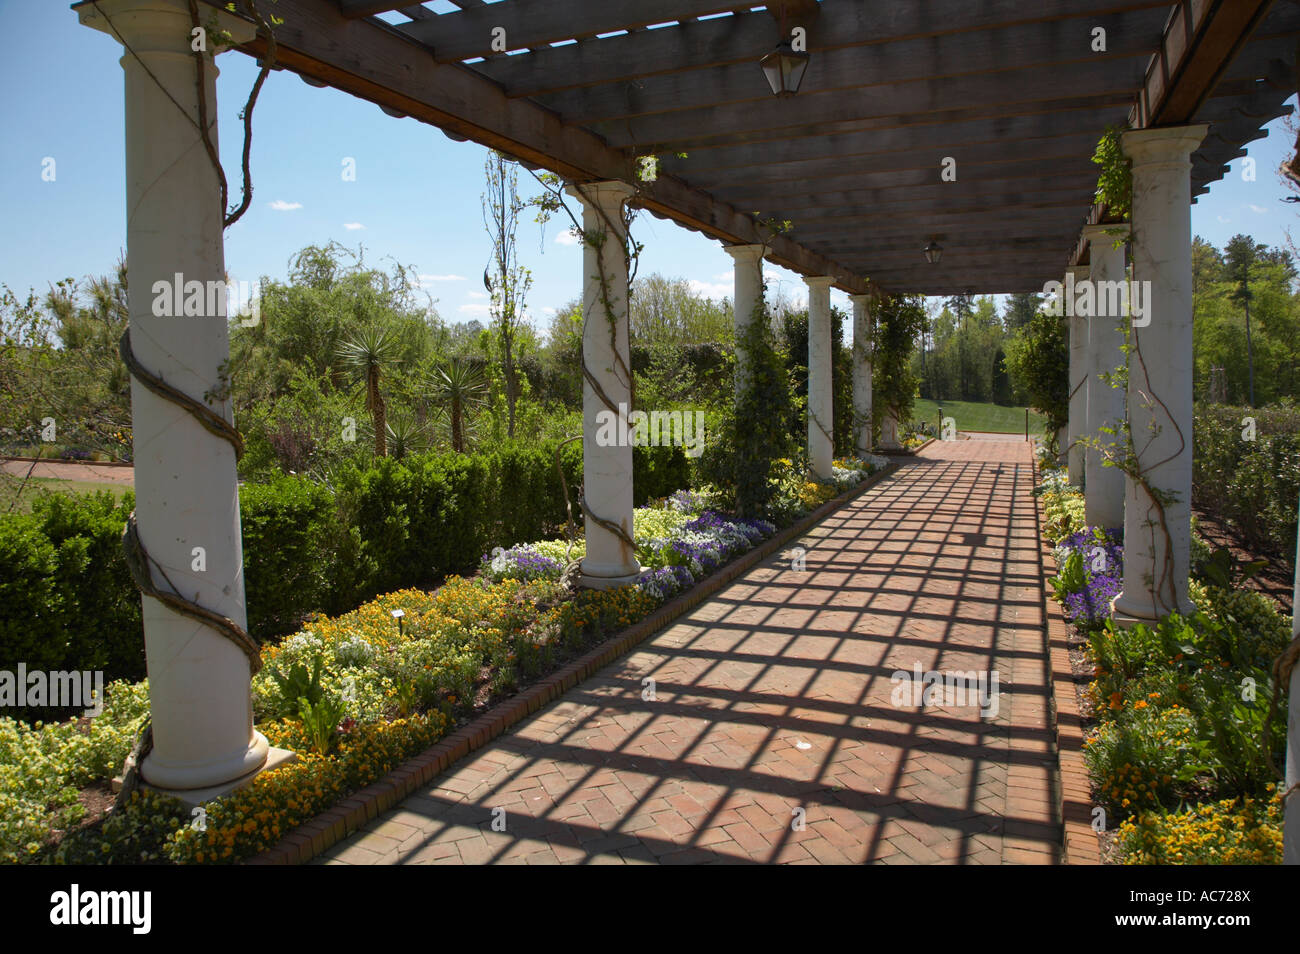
pixel 67 601
pixel 1254 484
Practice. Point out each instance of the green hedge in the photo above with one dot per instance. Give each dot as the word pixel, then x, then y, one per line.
pixel 66 598
pixel 1254 484
pixel 68 602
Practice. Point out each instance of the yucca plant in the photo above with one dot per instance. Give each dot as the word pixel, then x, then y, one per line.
pixel 366 355
pixel 405 436
pixel 459 387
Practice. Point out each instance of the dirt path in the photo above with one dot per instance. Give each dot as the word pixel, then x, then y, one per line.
pixel 70 470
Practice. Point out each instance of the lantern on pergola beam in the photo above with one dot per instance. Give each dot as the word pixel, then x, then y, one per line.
pixel 784 66
pixel 933 252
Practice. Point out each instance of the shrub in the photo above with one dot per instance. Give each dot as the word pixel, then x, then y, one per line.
pixel 66 599
pixel 1235 831
pixel 290 553
pixel 1253 484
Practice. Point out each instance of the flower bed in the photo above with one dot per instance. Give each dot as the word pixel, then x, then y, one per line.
pixel 355 695
pixel 1179 745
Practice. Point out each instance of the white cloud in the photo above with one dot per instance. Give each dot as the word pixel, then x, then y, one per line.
pixel 281 206
pixel 566 238
pixel 353 226
pixel 442 278
pixel 477 294
pixel 474 309
pixel 1258 209
pixel 712 290
pixel 548 310
pixel 725 277
pixel 1223 219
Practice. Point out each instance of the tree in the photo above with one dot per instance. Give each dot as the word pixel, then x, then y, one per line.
pixel 506 280
pixel 1240 255
pixel 1038 358
pixel 366 355
pixel 1021 308
pixel 961 308
pixel 667 311
pixel 459 387
pixel 899 320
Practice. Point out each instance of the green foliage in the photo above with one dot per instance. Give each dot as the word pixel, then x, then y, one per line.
pixel 1038 359
pixel 1070 577
pixel 899 320
pixel 320 721
pixel 1232 831
pixel 1115 180
pixel 289 529
pixel 1224 570
pixel 667 312
pixel 758 431
pixel 1248 278
pixel 297 686
pixel 67 601
pixel 1253 484
pixel 1183 703
pixel 43 766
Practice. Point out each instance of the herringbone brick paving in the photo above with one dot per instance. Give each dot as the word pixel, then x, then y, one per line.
pixel 770 731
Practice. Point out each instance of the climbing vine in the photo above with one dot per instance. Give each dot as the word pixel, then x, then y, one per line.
pixel 899 320
pixel 1115 181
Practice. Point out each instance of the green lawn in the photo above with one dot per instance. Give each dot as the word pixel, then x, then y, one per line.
pixel 9 486
pixel 970 416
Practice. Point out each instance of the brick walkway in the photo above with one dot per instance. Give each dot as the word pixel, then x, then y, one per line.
pixel 772 705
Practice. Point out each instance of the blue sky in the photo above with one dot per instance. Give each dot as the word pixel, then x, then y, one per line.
pixel 415 198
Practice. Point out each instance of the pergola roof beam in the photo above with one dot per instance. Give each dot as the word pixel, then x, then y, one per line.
pixel 744 37
pixel 1030 91
pixel 1034 47
pixel 951 138
pixel 1068 148
pixel 370 59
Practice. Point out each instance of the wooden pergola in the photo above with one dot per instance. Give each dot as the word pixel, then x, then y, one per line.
pixel 969 124
pixel 1013 91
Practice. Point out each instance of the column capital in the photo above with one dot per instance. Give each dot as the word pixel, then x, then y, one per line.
pixel 1104 234
pixel 1162 144
pixel 745 253
pixel 818 282
pixel 864 298
pixel 160 26
pixel 608 194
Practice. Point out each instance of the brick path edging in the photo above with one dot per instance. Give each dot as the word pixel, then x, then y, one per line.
pixel 1081 844
pixel 337 822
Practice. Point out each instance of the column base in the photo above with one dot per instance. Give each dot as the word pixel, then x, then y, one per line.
pixel 203 775
pixel 607 577
pixel 607 582
pixel 1125 613
pixel 194 797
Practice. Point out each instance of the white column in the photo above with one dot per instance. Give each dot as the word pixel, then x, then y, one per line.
pixel 821 446
pixel 1159 399
pixel 748 270
pixel 1291 776
pixel 1078 411
pixel 1105 492
pixel 606 449
pixel 862 345
pixel 185 483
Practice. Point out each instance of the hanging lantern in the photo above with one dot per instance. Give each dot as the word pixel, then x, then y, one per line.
pixel 784 68
pixel 933 252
